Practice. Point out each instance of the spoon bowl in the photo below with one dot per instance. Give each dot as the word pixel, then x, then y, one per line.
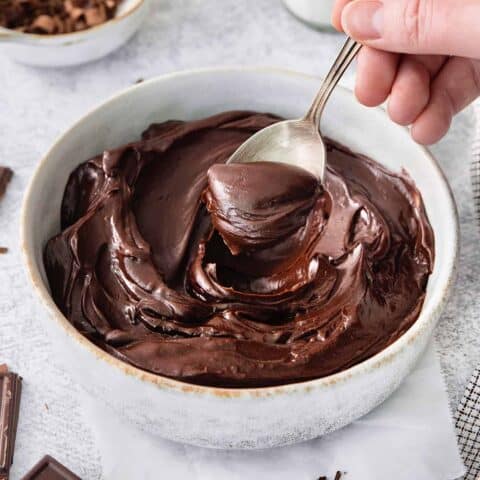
pixel 296 142
pixel 299 142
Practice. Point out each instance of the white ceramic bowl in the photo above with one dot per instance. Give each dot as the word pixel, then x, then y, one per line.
pixel 218 417
pixel 76 47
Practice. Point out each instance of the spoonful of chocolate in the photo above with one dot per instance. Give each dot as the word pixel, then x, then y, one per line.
pixel 299 142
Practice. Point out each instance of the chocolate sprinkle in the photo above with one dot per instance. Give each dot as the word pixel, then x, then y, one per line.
pixel 5 172
pixel 50 17
pixel 10 390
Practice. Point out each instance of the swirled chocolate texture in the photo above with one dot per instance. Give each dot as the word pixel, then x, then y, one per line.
pixel 237 275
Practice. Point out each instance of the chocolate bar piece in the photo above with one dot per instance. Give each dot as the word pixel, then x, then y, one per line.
pixel 10 390
pixel 50 469
pixel 5 177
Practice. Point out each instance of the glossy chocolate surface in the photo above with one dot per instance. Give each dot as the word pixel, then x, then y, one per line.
pixel 238 275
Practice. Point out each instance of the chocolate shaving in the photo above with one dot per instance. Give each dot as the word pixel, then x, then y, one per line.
pixel 5 175
pixel 338 476
pixel 10 390
pixel 50 17
pixel 44 23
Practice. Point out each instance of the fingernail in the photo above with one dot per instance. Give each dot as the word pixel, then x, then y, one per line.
pixel 363 19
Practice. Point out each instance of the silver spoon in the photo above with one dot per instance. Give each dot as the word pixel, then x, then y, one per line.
pixel 299 142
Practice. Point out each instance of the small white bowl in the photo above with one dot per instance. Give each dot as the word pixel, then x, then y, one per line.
pixel 77 47
pixel 222 417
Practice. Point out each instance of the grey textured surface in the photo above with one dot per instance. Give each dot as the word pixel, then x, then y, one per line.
pixel 458 332
pixel 37 105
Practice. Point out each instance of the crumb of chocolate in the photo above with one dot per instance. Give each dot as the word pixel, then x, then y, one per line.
pixel 50 17
pixel 5 172
pixel 46 406
pixel 138 80
pixel 3 250
pixel 338 476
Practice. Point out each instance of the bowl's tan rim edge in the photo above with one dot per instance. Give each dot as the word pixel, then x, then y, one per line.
pixel 73 37
pixel 427 316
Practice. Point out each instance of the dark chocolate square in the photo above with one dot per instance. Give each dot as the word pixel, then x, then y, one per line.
pixel 50 469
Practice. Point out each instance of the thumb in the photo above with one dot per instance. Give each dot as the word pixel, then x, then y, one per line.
pixel 444 27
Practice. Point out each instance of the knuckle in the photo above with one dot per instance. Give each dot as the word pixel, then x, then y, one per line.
pixel 419 73
pixel 417 16
pixel 451 104
pixel 475 71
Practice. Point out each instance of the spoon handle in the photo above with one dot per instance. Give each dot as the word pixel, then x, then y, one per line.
pixel 344 59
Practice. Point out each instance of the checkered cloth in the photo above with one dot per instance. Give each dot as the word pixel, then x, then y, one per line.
pixel 467 417
pixel 467 422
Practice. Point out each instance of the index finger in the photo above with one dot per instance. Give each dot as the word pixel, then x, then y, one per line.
pixel 337 13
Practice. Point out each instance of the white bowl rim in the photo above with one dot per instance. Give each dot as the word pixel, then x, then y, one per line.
pixel 72 36
pixel 385 356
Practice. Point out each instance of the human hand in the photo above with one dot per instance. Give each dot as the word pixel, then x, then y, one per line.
pixel 424 55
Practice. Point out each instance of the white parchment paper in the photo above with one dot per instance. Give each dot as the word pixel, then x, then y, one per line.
pixel 410 436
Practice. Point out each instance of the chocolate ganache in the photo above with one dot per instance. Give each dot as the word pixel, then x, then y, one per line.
pixel 243 275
